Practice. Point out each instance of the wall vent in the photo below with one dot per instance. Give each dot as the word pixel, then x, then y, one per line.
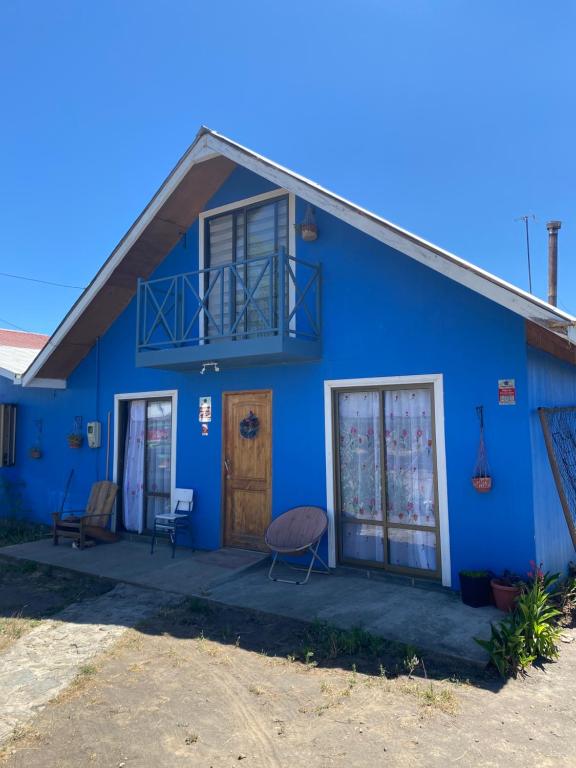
pixel 7 435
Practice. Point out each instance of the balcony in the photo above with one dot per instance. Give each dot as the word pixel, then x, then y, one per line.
pixel 259 311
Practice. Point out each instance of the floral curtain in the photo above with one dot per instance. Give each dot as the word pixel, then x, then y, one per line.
pixel 133 480
pixel 360 475
pixel 410 496
pixel 409 473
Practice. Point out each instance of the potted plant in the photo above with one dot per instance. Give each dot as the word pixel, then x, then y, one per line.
pixel 475 588
pixel 35 452
pixel 482 483
pixel 74 440
pixel 506 590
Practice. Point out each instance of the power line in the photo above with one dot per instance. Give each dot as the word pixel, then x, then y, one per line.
pixel 44 282
pixel 13 325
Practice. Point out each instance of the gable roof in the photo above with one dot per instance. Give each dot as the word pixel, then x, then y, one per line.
pixel 17 350
pixel 199 173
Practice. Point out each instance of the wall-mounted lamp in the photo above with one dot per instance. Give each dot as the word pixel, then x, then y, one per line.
pixel 308 228
pixel 214 366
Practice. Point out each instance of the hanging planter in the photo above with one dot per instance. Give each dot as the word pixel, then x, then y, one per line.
pixel 35 453
pixel 308 228
pixel 481 479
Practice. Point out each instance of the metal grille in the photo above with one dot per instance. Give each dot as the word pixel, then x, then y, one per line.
pixel 7 435
pixel 559 427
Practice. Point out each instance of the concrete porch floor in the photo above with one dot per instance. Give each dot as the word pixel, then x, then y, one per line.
pixel 429 620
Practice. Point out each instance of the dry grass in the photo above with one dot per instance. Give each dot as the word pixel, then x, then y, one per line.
pixel 13 627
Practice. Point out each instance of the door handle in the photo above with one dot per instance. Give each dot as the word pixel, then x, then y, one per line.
pixel 227 465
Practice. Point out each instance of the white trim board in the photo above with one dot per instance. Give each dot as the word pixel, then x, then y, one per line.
pixel 120 398
pixel 436 379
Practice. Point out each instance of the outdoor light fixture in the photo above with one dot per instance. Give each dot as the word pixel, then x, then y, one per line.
pixel 212 365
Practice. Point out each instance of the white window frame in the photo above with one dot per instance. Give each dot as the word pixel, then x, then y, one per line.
pixel 437 381
pixel 122 398
pixel 229 207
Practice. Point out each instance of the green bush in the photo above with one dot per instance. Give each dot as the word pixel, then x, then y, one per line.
pixel 530 632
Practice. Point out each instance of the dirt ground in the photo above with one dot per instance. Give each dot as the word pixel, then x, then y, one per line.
pixel 211 687
pixel 30 592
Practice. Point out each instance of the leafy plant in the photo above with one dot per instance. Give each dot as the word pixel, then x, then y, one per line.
pixel 510 579
pixel 530 632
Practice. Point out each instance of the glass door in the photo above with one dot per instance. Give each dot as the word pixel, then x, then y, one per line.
pixel 158 452
pixel 386 479
pixel 147 463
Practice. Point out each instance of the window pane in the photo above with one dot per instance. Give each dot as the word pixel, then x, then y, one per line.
pixel 363 542
pixel 409 457
pixel 158 446
pixel 359 431
pixel 412 549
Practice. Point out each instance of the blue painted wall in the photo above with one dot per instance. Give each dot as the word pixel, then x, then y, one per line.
pixel 551 383
pixel 383 315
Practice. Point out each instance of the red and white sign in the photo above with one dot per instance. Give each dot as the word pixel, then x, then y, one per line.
pixel 506 391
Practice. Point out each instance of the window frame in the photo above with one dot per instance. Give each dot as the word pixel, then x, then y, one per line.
pixel 384 524
pixel 236 206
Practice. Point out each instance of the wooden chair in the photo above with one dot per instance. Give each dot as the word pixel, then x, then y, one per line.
pixel 297 532
pixel 92 524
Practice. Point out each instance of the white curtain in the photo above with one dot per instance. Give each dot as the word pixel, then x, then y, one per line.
pixel 360 475
pixel 410 477
pixel 133 481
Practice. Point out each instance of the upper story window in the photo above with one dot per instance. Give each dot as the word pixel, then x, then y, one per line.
pixel 242 296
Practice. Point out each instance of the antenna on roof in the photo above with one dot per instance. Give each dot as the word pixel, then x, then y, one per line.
pixel 525 219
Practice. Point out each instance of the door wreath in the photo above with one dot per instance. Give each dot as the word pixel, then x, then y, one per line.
pixel 249 426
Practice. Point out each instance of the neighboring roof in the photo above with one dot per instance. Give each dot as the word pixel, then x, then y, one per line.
pixel 201 170
pixel 17 351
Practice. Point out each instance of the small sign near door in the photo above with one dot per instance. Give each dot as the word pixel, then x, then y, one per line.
pixel 205 410
pixel 506 391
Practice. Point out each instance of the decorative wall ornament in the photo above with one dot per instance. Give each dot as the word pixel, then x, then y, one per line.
pixel 308 228
pixel 249 426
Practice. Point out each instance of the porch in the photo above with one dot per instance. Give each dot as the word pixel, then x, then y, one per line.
pixel 433 620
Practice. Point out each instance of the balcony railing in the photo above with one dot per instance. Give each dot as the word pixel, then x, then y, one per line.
pixel 268 297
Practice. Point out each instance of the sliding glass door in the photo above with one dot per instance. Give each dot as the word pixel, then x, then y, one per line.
pixel 147 465
pixel 386 490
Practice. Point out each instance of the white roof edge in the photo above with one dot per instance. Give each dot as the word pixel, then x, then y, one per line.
pixel 554 311
pixel 8 374
pixel 208 142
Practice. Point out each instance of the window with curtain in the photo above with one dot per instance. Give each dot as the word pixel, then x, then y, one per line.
pixel 146 482
pixel 245 237
pixel 386 478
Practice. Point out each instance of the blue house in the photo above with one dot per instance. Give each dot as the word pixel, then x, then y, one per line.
pixel 267 343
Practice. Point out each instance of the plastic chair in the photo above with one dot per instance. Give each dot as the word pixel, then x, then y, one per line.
pixel 297 532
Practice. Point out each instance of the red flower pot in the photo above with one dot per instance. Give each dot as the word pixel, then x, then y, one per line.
pixel 482 484
pixel 504 596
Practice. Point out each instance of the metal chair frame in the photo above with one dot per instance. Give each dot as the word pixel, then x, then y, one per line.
pixel 315 556
pixel 172 522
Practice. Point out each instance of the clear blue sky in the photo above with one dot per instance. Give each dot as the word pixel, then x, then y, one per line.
pixel 449 117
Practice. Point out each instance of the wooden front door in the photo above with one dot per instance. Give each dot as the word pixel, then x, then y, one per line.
pixel 247 467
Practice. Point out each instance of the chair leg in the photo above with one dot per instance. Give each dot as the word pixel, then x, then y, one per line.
pixel 173 537
pixel 315 556
pixel 272 567
pixel 153 539
pixel 55 537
